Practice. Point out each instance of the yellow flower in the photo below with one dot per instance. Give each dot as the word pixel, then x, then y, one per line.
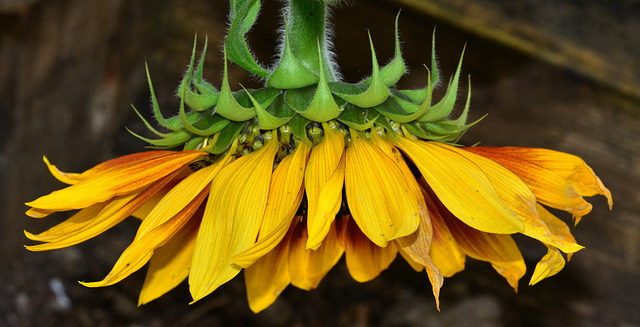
pixel 207 218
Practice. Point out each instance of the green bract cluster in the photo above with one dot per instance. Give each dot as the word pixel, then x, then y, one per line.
pixel 298 93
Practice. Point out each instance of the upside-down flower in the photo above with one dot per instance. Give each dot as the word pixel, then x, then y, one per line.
pixel 282 181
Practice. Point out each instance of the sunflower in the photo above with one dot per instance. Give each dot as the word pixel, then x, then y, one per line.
pixel 282 181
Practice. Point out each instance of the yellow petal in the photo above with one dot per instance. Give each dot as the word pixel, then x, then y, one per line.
pixel 380 200
pixel 285 196
pixel 170 263
pixel 519 198
pixel 181 195
pixel 74 178
pixel 269 276
pixel 445 252
pixel 462 187
pixel 414 265
pixel 323 181
pixel 549 188
pixel 365 260
pixel 556 226
pixel 115 182
pixel 232 219
pixel 551 264
pixel 308 267
pixel 84 225
pixel 141 249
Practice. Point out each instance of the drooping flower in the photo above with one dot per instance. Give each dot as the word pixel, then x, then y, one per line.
pixel 284 180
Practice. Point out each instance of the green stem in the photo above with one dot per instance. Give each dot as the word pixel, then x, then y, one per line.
pixel 307 27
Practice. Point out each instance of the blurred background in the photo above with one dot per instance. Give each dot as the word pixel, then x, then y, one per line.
pixel 563 75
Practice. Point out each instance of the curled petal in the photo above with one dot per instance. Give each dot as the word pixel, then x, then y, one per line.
pixel 232 219
pixel 462 187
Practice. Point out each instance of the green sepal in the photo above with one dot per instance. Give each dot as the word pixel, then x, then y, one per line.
pixel 148 125
pixel 265 96
pixel 382 121
pixel 171 140
pixel 393 71
pixel 443 108
pixel 207 95
pixel 226 137
pixel 227 106
pixel 156 107
pixel 243 15
pixel 358 118
pixel 208 124
pixel 275 115
pixel 322 107
pixel 415 129
pixel 401 109
pixel 376 92
pixel 193 143
pixel 290 72
pixel 299 128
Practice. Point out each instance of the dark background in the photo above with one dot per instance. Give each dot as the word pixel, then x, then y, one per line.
pixel 557 74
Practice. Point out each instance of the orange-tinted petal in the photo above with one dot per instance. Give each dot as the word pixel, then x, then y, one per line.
pixel 170 263
pixel 84 225
pixel 285 196
pixel 519 198
pixel 549 188
pixel 74 178
pixel 115 182
pixel 269 276
pixel 232 219
pixel 308 267
pixel 323 181
pixel 556 226
pixel 380 200
pixel 462 187
pixel 365 260
pixel 141 249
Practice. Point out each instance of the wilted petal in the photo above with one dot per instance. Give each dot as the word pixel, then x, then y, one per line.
pixel 519 198
pixel 462 187
pixel 170 263
pixel 141 249
pixel 551 264
pixel 285 196
pixel 323 181
pixel 116 182
pixel 308 267
pixel 445 252
pixel 232 219
pixel 365 260
pixel 378 194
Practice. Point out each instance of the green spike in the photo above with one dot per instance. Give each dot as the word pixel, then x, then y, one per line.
pixel 266 120
pixel 443 108
pixel 208 95
pixel 170 141
pixel 147 124
pixel 409 110
pixel 420 95
pixel 156 107
pixel 290 72
pixel 227 106
pixel 322 107
pixel 434 62
pixel 393 71
pixel 375 94
pixel 226 137
pixel 358 118
pixel 186 81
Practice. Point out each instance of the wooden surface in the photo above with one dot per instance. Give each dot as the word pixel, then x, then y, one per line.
pixel 69 70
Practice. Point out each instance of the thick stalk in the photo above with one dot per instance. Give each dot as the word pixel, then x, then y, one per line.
pixel 307 27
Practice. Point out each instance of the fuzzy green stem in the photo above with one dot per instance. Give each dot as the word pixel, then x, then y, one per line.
pixel 307 28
